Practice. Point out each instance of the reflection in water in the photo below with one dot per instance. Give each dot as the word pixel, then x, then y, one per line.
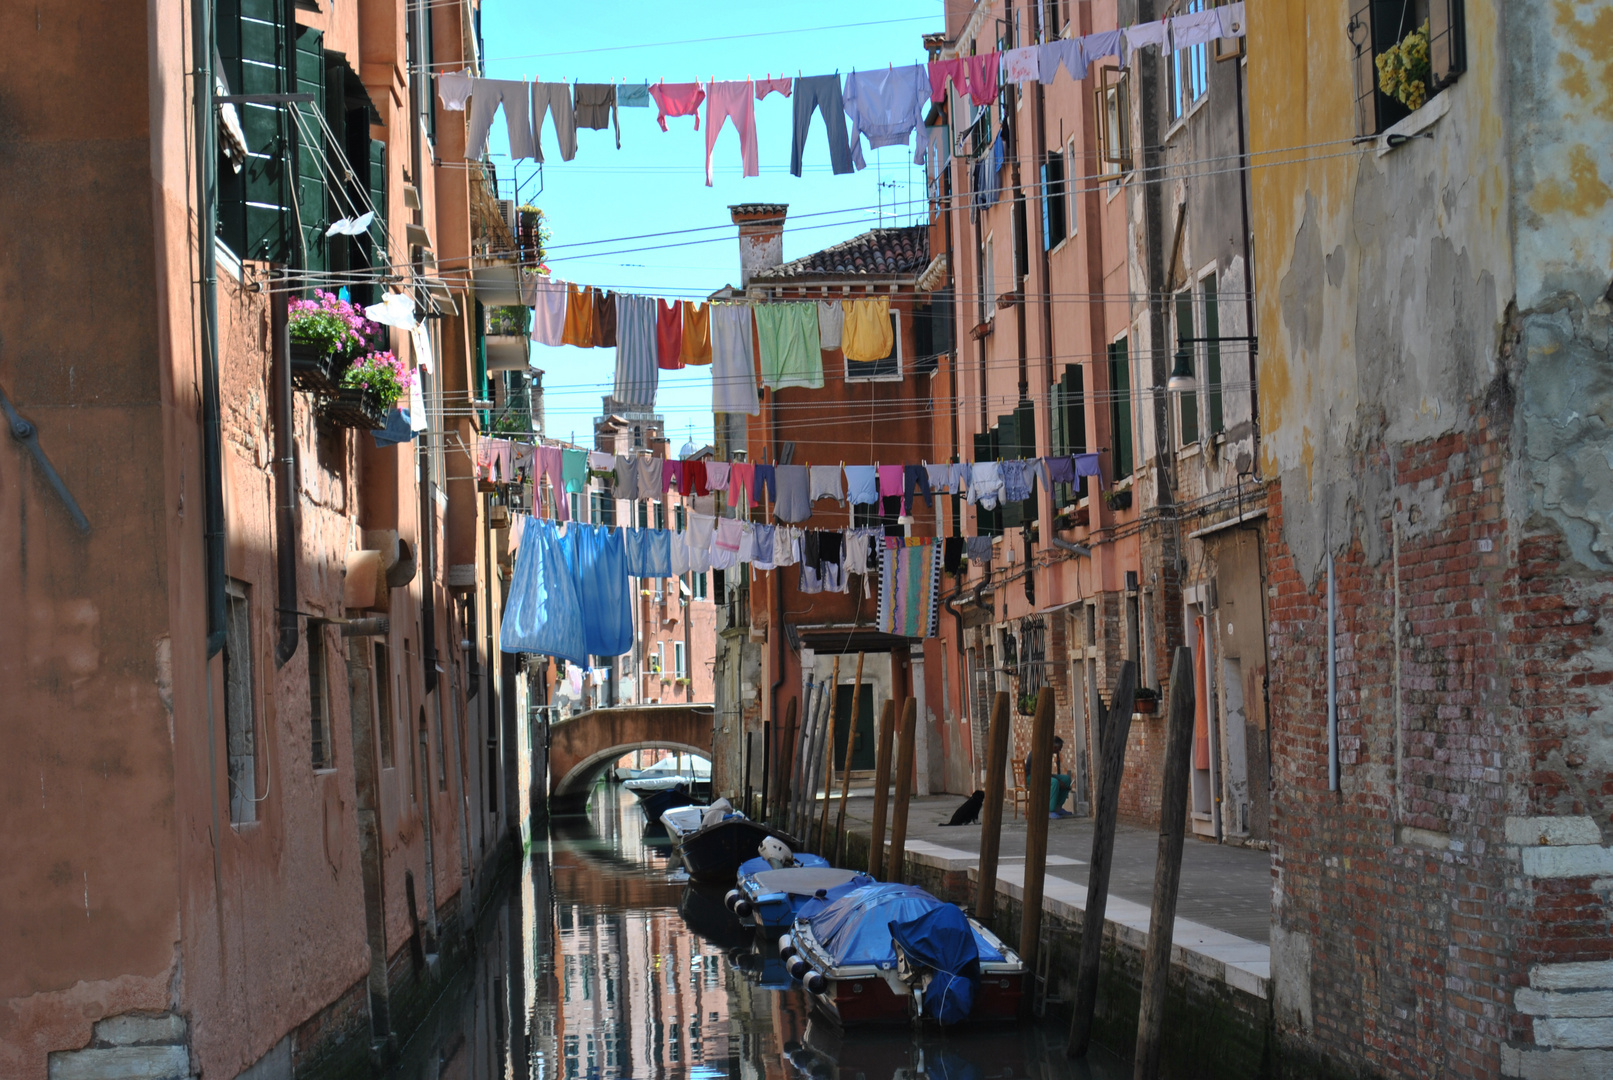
pixel 595 965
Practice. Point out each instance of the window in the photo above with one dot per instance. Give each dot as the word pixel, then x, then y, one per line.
pixel 658 658
pixel 871 516
pixel 574 504
pixel 1112 105
pixel 319 696
pixel 1187 71
pixel 1069 425
pixel 1054 225
pixel 699 586
pixel 1022 254
pixel 1376 26
pixel 933 331
pixel 888 369
pixel 643 515
pixel 253 204
pixel 987 522
pixel 988 289
pixel 1187 400
pixel 1210 353
pixel 660 515
pixel 602 508
pixel 1120 408
pixel 677 517
pixel 383 704
pixel 240 736
pixel 678 661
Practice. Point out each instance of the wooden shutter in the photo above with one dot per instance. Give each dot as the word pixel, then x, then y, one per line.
pixel 313 203
pixel 1447 42
pixel 253 205
pixel 1075 424
pixel 378 188
pixel 1360 38
pixel 985 520
pixel 1120 409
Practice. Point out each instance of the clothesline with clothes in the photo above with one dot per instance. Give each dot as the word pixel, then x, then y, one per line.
pixel 788 493
pixel 782 340
pixel 556 565
pixel 884 108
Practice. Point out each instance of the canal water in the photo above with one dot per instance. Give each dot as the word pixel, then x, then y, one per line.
pixel 597 964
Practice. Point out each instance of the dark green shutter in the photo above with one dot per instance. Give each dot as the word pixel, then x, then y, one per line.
pixel 1025 426
pixel 1187 400
pixel 253 205
pixel 1120 409
pixel 1006 448
pixel 312 207
pixel 985 520
pixel 378 198
pixel 1447 43
pixel 1213 394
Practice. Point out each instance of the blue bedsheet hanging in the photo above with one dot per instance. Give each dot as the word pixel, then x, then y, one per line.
pixel 544 614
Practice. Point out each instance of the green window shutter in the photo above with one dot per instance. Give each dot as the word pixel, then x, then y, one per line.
pixel 1012 513
pixel 1025 425
pixel 1187 400
pixel 985 520
pixel 1075 417
pixel 1213 394
pixel 378 197
pixel 313 202
pixel 1120 409
pixel 253 205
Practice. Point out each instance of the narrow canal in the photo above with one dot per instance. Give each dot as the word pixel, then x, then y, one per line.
pixel 595 964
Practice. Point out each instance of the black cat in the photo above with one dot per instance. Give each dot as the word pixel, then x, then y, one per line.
pixel 969 812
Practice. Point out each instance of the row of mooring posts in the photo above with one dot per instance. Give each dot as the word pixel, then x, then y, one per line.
pixel 813 748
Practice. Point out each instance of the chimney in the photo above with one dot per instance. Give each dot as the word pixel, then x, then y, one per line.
pixel 761 237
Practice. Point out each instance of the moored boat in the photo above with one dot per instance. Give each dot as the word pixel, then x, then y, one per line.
pixel 774 896
pixel 886 953
pixel 713 840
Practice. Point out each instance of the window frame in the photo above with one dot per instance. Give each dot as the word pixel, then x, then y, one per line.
pixel 1197 71
pixel 1184 307
pixel 875 375
pixel 680 661
pixel 1055 205
pixel 1112 107
pixel 1121 412
pixel 240 702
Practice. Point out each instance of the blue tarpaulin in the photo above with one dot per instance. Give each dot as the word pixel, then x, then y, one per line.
pixel 942 940
pixel 855 929
pixel 757 865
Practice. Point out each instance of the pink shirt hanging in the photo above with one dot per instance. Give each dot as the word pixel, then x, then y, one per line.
pixel 677 99
pixel 941 71
pixel 983 77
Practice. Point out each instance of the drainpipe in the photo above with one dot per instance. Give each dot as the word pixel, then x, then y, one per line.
pixel 206 232
pixel 1332 682
pixel 1248 268
pixel 286 541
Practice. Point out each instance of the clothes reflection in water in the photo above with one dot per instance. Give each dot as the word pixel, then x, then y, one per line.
pixel 594 965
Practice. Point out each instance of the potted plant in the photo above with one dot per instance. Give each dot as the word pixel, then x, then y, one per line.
pixel 371 386
pixel 531 234
pixel 1027 704
pixel 1147 701
pixel 325 333
pixel 1118 500
pixel 1403 69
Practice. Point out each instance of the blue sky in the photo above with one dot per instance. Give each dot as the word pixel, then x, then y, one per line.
pixel 656 182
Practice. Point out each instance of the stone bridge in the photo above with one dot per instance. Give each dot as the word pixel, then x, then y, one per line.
pixel 586 745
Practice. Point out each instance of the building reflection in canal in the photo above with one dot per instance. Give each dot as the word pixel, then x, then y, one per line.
pixel 596 965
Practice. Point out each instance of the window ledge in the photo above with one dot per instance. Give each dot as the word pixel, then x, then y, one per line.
pixel 1418 122
pixel 1190 449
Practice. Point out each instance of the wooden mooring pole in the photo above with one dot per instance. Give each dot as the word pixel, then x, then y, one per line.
pixel 895 868
pixel 991 812
pixel 845 772
pixel 1036 816
pixel 1116 727
pixel 1168 870
pixel 882 780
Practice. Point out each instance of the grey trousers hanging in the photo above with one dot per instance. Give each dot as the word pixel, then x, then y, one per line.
pixel 820 92
pixel 554 98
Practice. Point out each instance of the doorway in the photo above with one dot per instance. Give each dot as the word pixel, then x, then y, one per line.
pixel 862 751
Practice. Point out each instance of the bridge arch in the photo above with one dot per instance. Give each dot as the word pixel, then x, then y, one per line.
pixel 585 746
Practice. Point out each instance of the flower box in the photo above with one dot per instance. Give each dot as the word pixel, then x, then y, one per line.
pixel 1027 704
pixel 355 408
pixel 1146 706
pixel 1118 500
pixel 316 370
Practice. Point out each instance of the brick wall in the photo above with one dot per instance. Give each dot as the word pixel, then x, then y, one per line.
pixel 1404 886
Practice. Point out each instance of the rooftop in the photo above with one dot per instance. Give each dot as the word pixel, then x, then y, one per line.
pixel 876 253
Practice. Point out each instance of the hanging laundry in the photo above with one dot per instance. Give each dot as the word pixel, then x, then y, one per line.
pixel 809 578
pixel 486 96
pixel 1016 482
pixel 453 88
pixel 633 97
pixel 979 549
pixel 1140 34
pixel 550 302
pixel 579 317
pixel 766 480
pixel 574 468
pixel 734 101
pixel 982 70
pixel 649 553
pixel 725 544
pixel 942 72
pixel 626 485
pixel 886 107
pixel 604 319
pixel 594 106
pixel 678 555
pixel 1194 28
pixel 699 529
pixel 985 484
pixel 909 582
pixel 763 546
pixel 786 546
pixel 890 481
pixel 916 481
pixel 543 614
pixel 862 484
pixel 1105 43
pixel 669 334
pixel 826 483
pixel 741 484
pixel 637 373
pixel 493 460
pixel 958 480
pixel 1023 65
pixel 940 477
pixel 1060 470
pixel 831 317
pixel 772 86
pixel 651 480
pixel 1070 52
pixel 747 544
pixel 693 480
pixel 717 475
pixel 671 476
pixel 830 567
pixel 733 367
pixel 696 348
pixel 867 335
pixel 821 93
pixel 677 99
pixel 554 99
pixel 952 555
pixel 599 461
pixel 793 503
pixel 397 429
pixel 857 544
pixel 1232 20
pixel 788 335
pixel 1088 465
pixel 599 567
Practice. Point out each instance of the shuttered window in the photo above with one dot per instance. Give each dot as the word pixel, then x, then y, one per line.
pixel 311 207
pixel 987 522
pixel 253 204
pixel 1120 408
pixel 1378 25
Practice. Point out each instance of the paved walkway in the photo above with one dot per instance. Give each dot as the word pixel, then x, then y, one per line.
pixel 1223 910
